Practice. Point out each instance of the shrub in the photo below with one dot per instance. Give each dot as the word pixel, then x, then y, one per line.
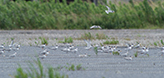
pixel 51 15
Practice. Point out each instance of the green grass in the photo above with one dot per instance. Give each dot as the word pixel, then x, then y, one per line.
pixel 72 67
pixel 116 53
pixel 78 67
pixel 96 51
pixel 111 42
pixel 12 38
pixel 87 36
pixel 155 43
pixel 162 42
pixel 66 40
pixel 21 73
pixel 147 55
pixel 36 43
pixel 136 54
pixel 30 44
pixel 51 15
pixel 33 72
pixel 101 36
pixel 43 40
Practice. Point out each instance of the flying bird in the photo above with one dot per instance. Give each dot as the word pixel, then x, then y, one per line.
pixel 95 27
pixel 109 10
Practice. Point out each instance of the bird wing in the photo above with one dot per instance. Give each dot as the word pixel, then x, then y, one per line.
pixel 88 44
pixel 108 8
pixel 127 44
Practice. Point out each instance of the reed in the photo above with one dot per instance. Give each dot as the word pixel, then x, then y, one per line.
pixel 51 15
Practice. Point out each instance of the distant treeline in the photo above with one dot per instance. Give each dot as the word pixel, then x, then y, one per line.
pixel 79 15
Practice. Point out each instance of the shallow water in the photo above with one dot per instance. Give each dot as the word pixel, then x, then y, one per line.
pixel 96 66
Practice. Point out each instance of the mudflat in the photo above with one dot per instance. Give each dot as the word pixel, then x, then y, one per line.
pixel 106 65
pixel 146 37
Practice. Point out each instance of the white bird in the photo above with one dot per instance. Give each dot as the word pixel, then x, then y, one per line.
pixel 129 47
pixel 43 56
pixel 2 46
pixel 8 49
pixel 54 47
pixel 71 47
pixel 125 54
pixel 89 46
pixel 128 58
pixel 109 10
pixel 95 27
pixel 13 55
pixel 42 46
pixel 83 55
pixel 143 47
pixel 74 50
pixel 2 51
pixel 16 49
pixel 114 48
pixel 163 48
pixel 138 45
pixel 45 52
pixel 147 49
pixel 16 45
pixel 66 49
pixel 105 49
pixel 144 50
pixel 11 44
pixel 162 52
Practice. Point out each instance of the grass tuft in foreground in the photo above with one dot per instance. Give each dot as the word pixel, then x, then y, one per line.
pixel 38 72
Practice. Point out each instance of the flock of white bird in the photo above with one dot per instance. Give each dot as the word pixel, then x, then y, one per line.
pixel 71 48
pixel 12 47
pixel 100 49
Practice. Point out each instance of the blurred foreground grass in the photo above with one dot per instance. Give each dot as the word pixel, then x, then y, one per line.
pixel 33 72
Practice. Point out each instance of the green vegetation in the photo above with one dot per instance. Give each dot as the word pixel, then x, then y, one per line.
pixel 136 54
pixel 87 36
pixel 43 40
pixel 34 73
pixel 111 42
pixel 21 73
pixel 147 55
pixel 72 67
pixel 101 36
pixel 36 43
pixel 12 38
pixel 155 43
pixel 56 15
pixel 96 51
pixel 116 53
pixel 162 42
pixel 78 67
pixel 67 40
pixel 30 44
